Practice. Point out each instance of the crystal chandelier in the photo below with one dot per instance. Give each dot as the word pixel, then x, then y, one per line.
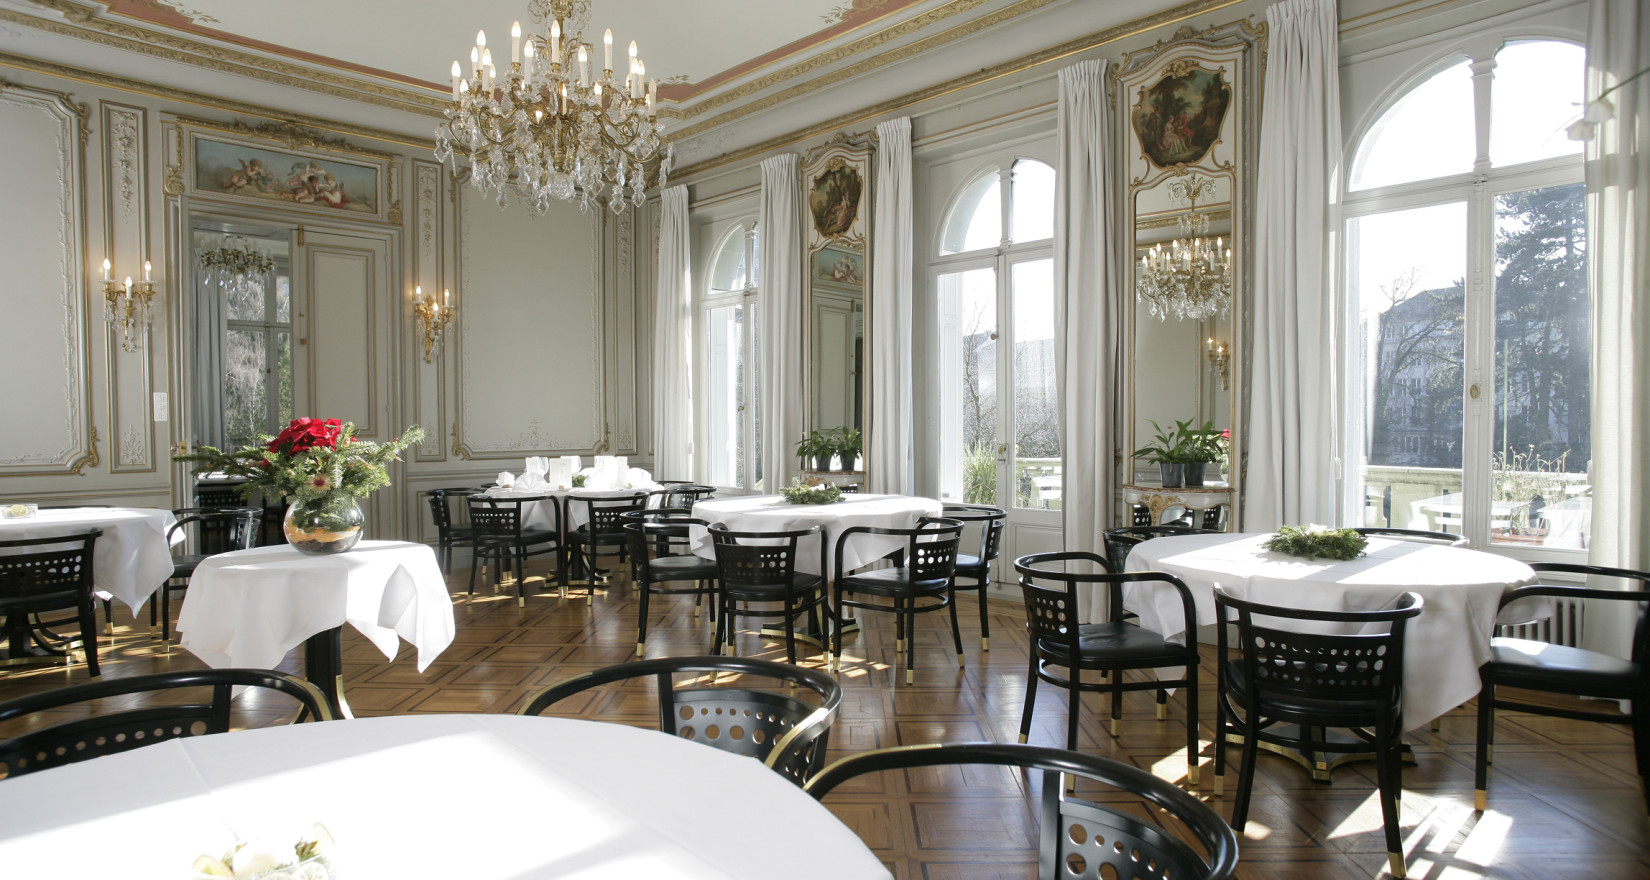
pixel 1193 278
pixel 237 267
pixel 552 127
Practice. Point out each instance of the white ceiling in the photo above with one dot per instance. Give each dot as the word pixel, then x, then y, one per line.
pixel 689 41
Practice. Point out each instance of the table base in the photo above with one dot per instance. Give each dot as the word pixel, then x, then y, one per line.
pixel 324 667
pixel 27 646
pixel 1320 765
pixel 808 634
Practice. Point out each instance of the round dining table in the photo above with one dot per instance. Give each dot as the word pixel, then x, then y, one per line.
pixel 131 559
pixel 472 796
pixel 1443 648
pixel 772 513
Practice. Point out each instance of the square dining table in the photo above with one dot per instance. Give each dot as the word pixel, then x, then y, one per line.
pixel 248 608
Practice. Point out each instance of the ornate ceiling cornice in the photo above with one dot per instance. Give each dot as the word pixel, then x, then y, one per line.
pixel 239 108
pixel 847 120
pixel 83 23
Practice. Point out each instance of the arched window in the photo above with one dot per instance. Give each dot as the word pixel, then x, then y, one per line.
pixel 729 451
pixel 996 309
pixel 1465 275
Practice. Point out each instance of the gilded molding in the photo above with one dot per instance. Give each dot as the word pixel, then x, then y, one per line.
pixel 884 108
pixel 290 134
pixel 82 23
pixel 226 105
pixel 92 459
pixel 128 377
pixel 985 22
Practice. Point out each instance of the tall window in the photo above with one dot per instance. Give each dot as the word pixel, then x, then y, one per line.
pixel 730 413
pixel 257 347
pixel 999 413
pixel 1466 279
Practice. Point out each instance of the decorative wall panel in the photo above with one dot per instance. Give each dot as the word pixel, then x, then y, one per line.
pixel 129 375
pixel 428 271
pixel 530 331
pixel 47 429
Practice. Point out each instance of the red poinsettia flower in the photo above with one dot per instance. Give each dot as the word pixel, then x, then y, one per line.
pixel 305 434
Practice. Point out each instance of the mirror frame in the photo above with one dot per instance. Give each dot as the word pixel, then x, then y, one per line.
pixel 1238 49
pixel 852 151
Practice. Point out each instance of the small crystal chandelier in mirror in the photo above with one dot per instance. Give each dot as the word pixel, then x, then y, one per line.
pixel 238 267
pixel 1193 277
pixel 553 126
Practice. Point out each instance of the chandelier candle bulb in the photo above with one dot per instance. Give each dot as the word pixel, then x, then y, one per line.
pixel 607 51
pixel 584 67
pixel 481 39
pixel 515 42
pixel 457 75
pixel 555 42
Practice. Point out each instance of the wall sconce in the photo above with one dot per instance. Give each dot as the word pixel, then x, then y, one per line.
pixel 127 306
pixel 1220 360
pixel 433 318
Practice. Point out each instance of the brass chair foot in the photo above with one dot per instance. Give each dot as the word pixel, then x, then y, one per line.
pixel 521 601
pixel 1162 711
pixel 961 661
pixel 1022 738
pixel 1397 862
pixel 1114 727
pixel 899 646
pixel 1480 800
pixel 1220 786
pixel 910 676
pixel 985 643
pixel 640 649
pixel 1192 774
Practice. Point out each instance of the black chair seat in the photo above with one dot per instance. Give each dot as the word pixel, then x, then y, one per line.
pixel 1111 644
pixel 892 582
pixel 1542 666
pixel 1348 713
pixel 801 582
pixel 184 566
pixel 683 568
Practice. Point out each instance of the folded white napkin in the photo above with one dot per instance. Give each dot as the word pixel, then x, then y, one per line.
pixel 532 482
pixel 505 479
pixel 560 473
pixel 638 478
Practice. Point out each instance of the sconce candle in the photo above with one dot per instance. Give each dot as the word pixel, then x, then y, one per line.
pixel 432 318
pixel 127 305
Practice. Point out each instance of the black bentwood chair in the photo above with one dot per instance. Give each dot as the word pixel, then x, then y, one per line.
pixel 976 566
pixel 41 575
pixel 1314 681
pixel 920 583
pixel 760 568
pixel 450 533
pixel 109 731
pixel 1539 666
pixel 659 554
pixel 1419 536
pixel 783 732
pixel 1062 649
pixel 212 531
pixel 1120 541
pixel 1079 840
pixel 500 537
pixel 602 532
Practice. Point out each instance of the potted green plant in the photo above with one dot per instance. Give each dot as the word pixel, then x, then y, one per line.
pixel 816 448
pixel 848 446
pixel 1181 450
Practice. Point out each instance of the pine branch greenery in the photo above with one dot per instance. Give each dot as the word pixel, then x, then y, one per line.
pixel 799 492
pixel 1310 543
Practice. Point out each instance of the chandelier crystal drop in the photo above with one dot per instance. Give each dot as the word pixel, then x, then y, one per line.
pixel 553 126
pixel 1193 277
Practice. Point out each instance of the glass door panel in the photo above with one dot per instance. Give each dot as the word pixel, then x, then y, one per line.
pixel 245 393
pixel 1405 274
pixel 1542 441
pixel 970 450
pixel 1037 473
pixel 725 391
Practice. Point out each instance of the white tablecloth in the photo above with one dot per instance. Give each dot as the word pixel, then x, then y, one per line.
pixel 1443 647
pixel 250 607
pixel 771 513
pixel 132 558
pixel 545 797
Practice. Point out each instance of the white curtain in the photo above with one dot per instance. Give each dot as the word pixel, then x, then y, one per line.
pixel 888 459
pixel 1089 311
pixel 1618 250
pixel 672 340
pixel 779 318
pixel 1291 443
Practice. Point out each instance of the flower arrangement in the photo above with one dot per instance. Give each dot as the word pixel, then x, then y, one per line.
pixel 799 492
pixel 1317 542
pixel 319 468
pixel 308 859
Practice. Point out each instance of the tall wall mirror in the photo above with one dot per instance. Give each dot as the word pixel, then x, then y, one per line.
pixel 1184 107
pixel 836 183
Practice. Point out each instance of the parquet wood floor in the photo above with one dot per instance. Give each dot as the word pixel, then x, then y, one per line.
pixel 1564 796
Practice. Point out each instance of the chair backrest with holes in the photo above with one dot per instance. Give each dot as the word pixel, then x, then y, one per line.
pixel 114 730
pixel 783 731
pixel 496 519
pixel 757 559
pixel 46 573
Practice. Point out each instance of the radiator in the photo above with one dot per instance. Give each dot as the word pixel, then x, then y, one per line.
pixel 1563 628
